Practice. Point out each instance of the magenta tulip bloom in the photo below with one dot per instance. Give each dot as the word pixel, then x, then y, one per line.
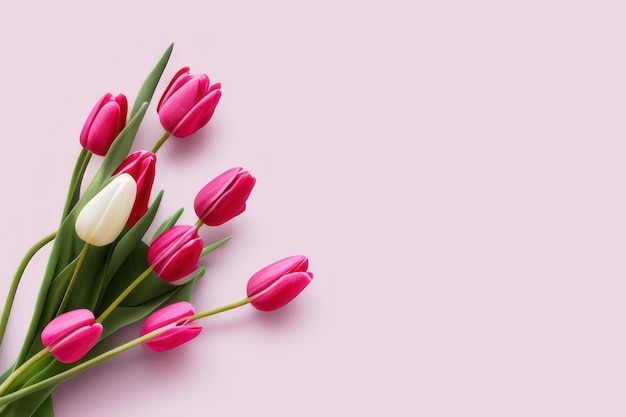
pixel 277 284
pixel 104 123
pixel 71 335
pixel 224 197
pixel 174 254
pixel 141 166
pixel 188 103
pixel 181 333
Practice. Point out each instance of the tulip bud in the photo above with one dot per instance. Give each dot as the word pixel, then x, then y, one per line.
pixel 224 197
pixel 141 166
pixel 104 123
pixel 175 336
pixel 102 219
pixel 277 284
pixel 71 335
pixel 174 254
pixel 188 103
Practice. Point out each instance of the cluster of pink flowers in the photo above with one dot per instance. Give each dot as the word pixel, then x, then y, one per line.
pixel 187 104
pixel 82 288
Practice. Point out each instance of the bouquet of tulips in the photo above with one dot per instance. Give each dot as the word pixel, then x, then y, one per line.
pixel 104 273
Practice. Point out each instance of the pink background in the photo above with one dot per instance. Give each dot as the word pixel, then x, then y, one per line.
pixel 454 170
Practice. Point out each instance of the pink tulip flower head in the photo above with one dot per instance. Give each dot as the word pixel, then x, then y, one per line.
pixel 104 123
pixel 224 197
pixel 174 254
pixel 175 336
pixel 188 103
pixel 277 284
pixel 141 166
pixel 71 335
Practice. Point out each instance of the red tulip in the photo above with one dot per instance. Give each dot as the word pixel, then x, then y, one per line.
pixel 175 336
pixel 277 284
pixel 188 103
pixel 104 123
pixel 71 335
pixel 224 197
pixel 141 166
pixel 174 254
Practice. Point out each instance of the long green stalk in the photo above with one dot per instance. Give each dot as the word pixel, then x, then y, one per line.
pixel 8 305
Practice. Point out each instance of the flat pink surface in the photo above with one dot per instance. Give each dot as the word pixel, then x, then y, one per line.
pixel 455 171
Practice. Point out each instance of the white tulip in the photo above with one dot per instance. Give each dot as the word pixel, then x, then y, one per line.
pixel 102 219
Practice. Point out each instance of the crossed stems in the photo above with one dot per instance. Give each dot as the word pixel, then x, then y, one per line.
pixel 63 376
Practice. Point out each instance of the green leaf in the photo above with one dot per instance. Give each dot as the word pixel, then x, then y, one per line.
pixel 135 264
pixel 123 316
pixel 45 409
pixel 211 248
pixel 5 375
pixel 149 85
pixel 57 290
pixel 167 223
pixel 186 291
pixel 27 406
pixel 73 192
pixel 131 239
pixel 90 278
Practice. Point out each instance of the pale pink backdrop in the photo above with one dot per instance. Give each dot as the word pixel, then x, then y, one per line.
pixel 455 170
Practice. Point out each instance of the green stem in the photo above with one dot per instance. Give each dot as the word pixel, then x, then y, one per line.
pixel 77 178
pixel 160 142
pixel 123 295
pixel 220 309
pixel 79 263
pixel 16 281
pixel 5 385
pixel 63 376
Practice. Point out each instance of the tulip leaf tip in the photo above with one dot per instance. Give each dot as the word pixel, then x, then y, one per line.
pixel 214 246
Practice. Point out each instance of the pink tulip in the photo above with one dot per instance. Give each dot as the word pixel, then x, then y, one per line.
pixel 174 254
pixel 277 284
pixel 141 166
pixel 181 333
pixel 188 103
pixel 104 123
pixel 224 197
pixel 71 335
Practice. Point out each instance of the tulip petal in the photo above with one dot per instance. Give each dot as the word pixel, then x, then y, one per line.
pixel 175 336
pixel 102 219
pixel 141 166
pixel 268 275
pixel 167 315
pixel 172 338
pixel 122 102
pixel 282 291
pixel 84 134
pixel 198 116
pixel 232 202
pixel 175 253
pixel 104 123
pixel 65 324
pixel 180 78
pixel 76 345
pixel 184 263
pixel 104 128
pixel 206 197
pixel 181 101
